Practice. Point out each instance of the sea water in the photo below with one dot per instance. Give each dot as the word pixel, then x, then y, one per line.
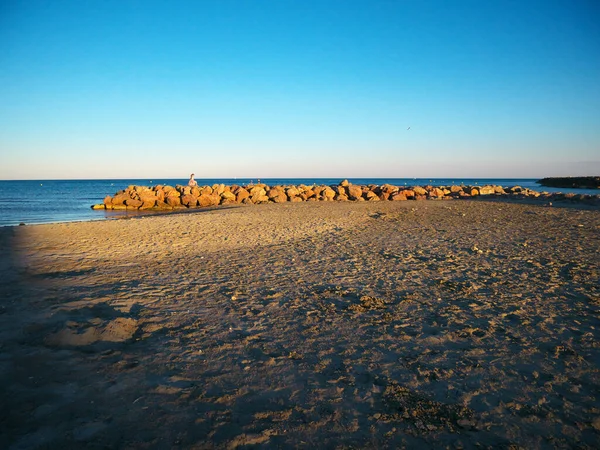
pixel 50 201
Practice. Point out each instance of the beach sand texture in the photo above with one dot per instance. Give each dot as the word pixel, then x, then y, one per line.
pixel 468 324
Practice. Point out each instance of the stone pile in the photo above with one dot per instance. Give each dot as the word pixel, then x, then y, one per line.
pixel 169 197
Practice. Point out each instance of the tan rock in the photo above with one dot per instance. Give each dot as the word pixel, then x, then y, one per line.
pixel 228 196
pixel 371 196
pixel 277 195
pixel 344 183
pixel 170 190
pixel 257 191
pixel 162 205
pixel 173 201
pixel 340 190
pixel 436 192
pixel 119 199
pixel 206 200
pixel 100 206
pixel 474 192
pixel 486 190
pixel 455 189
pixel 341 198
pixel 328 193
pixel 206 190
pixel 418 190
pixel 398 196
pixel 499 190
pixel 292 191
pixel 260 199
pixel 354 192
pixel 409 193
pixel 241 195
pixel 133 203
pixel 148 204
pixel 219 189
pixel 389 189
pixel 189 200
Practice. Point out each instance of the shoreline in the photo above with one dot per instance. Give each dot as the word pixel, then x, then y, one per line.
pixel 381 324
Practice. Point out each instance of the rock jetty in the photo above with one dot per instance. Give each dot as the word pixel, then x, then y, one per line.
pixel 168 197
pixel 571 182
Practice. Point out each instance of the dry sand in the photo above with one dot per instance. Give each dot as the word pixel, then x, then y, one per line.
pixel 460 324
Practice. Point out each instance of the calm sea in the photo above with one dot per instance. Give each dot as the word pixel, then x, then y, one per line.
pixel 49 201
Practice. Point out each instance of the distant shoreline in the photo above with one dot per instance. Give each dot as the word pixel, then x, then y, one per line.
pixel 571 182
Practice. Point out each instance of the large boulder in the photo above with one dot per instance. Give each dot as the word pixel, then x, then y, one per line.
pixel 258 194
pixel 219 188
pixel 148 204
pixel 318 190
pixel 409 193
pixel 436 192
pixel 277 195
pixel 487 190
pixel 241 194
pixel 309 193
pixel 189 200
pixel 328 194
pixel 398 196
pixel 228 196
pixel 292 191
pixel 340 190
pixel 208 200
pixel 354 192
pixel 119 199
pixel 162 205
pixel 173 201
pixel 418 190
pixel 133 203
pixel 389 189
pixel 372 196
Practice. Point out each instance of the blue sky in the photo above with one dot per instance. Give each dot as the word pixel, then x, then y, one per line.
pixel 118 89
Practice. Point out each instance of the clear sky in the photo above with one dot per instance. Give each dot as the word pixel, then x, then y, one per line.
pixel 299 88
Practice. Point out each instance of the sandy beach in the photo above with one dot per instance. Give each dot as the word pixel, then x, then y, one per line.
pixel 434 324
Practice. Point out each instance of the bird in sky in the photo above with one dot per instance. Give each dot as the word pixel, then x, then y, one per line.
pixel 408 129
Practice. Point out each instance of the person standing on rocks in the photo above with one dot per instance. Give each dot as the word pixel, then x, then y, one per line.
pixel 192 182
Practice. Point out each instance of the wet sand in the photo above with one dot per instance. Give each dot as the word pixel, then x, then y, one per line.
pixel 460 324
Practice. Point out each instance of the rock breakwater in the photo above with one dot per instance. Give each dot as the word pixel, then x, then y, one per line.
pixel 162 197
pixel 571 182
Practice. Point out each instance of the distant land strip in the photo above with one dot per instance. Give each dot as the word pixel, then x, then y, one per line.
pixel 168 197
pixel 571 182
